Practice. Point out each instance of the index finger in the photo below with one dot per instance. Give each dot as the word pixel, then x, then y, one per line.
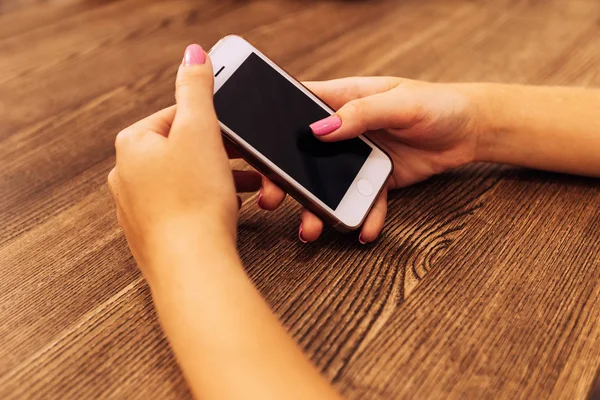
pixel 337 92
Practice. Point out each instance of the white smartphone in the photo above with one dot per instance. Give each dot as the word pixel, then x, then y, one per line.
pixel 265 114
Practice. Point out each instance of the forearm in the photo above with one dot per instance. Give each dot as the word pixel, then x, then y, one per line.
pixel 226 339
pixel 548 128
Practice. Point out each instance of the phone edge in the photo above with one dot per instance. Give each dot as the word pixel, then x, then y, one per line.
pixel 280 181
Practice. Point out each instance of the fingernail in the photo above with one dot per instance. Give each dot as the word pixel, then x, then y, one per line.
pixel 300 235
pixel 194 55
pixel 326 125
pixel 361 240
pixel 258 201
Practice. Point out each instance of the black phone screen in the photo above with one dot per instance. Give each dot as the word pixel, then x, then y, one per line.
pixel 273 116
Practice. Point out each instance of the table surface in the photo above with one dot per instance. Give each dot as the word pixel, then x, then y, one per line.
pixel 485 281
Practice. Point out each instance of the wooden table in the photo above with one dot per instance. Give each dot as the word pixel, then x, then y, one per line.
pixel 485 282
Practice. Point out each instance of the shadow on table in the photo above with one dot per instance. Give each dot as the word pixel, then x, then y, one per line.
pixel 464 187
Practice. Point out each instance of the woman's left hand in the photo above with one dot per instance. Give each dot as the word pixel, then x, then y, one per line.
pixel 172 183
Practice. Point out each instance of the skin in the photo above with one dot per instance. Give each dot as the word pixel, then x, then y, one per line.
pixel 429 128
pixel 180 223
pixel 176 202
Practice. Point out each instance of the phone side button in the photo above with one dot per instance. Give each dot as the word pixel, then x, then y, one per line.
pixel 364 187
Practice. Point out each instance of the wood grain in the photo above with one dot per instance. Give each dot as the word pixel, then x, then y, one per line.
pixel 485 282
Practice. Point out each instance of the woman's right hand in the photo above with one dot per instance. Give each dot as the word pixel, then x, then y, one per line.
pixel 427 128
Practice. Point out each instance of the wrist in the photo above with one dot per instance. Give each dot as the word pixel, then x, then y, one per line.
pixel 490 114
pixel 471 108
pixel 478 119
pixel 181 248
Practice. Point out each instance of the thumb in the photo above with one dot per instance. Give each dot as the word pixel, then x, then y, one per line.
pixel 194 93
pixel 385 110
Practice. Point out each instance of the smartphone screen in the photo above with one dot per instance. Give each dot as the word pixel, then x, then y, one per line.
pixel 273 116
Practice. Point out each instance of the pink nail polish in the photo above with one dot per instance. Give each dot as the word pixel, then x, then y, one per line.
pixel 194 55
pixel 326 125
pixel 300 235
pixel 361 240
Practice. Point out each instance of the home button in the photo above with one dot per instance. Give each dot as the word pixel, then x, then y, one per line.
pixel 364 187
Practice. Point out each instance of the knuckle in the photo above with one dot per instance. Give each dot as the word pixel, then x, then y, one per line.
pixel 393 82
pixel 122 138
pixel 126 137
pixel 184 82
pixel 194 77
pixel 112 178
pixel 354 110
pixel 417 112
pixel 112 183
pixel 119 139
